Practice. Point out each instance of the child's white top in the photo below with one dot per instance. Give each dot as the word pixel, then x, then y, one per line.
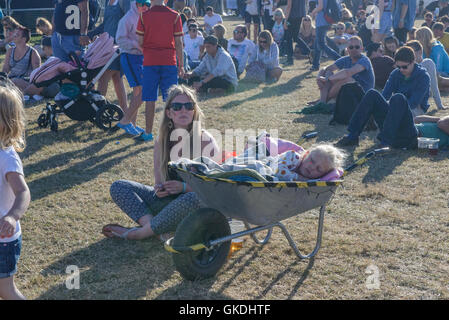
pixel 9 162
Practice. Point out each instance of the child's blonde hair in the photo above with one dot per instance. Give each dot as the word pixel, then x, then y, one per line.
pixel 12 118
pixel 335 156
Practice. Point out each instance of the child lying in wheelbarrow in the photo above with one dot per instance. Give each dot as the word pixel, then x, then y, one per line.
pixel 321 162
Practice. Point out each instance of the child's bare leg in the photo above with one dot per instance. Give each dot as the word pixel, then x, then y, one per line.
pixel 9 291
pixel 120 90
pixel 103 82
pixel 149 115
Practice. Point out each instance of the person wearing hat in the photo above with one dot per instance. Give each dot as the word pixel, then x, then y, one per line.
pixel 382 65
pixel 216 71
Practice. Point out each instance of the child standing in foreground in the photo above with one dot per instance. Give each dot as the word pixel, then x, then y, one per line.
pixel 14 192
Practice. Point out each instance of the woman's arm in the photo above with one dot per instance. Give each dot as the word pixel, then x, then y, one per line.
pixel 35 59
pixel 6 69
pixel 157 162
pixel 318 8
pixel 288 9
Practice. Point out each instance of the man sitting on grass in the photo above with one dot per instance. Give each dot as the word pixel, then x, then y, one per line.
pixel 355 67
pixel 404 97
pixel 216 71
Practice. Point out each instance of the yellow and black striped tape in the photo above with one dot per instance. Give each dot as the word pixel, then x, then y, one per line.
pixel 261 184
pixel 195 247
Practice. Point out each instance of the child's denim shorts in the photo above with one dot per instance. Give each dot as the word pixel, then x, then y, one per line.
pixel 9 256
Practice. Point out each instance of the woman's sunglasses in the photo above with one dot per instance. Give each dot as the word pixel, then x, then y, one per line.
pixel 263 41
pixel 176 106
pixel 354 47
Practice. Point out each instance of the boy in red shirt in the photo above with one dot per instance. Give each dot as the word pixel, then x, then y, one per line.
pixel 160 34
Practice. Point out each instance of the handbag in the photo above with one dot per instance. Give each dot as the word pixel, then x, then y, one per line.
pixel 256 71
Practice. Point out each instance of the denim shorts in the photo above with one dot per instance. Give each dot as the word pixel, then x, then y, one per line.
pixel 155 77
pixel 9 256
pixel 132 68
pixel 62 45
pixel 385 24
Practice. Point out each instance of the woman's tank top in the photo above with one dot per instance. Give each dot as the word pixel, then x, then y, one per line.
pixel 21 68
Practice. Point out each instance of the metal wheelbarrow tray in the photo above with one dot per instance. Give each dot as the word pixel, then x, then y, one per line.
pixel 202 240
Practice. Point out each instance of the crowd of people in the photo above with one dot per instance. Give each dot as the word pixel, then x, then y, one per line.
pixel 166 49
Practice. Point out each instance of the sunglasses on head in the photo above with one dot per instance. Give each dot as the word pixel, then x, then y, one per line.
pixel 354 47
pixel 403 67
pixel 176 106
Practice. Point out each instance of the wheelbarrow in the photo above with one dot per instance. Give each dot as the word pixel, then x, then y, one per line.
pixel 202 241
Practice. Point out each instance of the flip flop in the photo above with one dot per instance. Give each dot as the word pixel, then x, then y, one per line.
pixel 124 235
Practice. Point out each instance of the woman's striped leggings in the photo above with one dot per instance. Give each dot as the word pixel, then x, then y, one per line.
pixel 138 200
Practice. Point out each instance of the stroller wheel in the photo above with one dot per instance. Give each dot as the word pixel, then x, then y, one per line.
pixel 42 120
pixel 107 115
pixel 201 226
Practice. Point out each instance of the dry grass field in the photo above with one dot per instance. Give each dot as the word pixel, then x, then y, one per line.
pixel 390 216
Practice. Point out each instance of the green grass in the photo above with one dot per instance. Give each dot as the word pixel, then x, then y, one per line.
pixel 392 213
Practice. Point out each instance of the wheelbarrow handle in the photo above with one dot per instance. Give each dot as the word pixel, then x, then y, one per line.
pixel 365 158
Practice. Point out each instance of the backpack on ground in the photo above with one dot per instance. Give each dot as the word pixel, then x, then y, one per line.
pixel 332 12
pixel 348 99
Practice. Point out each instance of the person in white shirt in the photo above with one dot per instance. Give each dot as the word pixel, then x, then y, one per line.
pixel 211 19
pixel 14 192
pixel 240 48
pixel 193 45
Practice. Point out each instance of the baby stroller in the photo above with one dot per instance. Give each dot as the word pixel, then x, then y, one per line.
pixel 202 240
pixel 77 99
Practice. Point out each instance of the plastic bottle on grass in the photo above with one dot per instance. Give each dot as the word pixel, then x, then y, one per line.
pixel 236 243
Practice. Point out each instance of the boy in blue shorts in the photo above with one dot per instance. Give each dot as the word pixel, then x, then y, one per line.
pixel 131 60
pixel 159 31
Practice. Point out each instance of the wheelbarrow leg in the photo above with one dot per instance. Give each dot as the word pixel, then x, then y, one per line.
pixel 318 240
pixel 256 240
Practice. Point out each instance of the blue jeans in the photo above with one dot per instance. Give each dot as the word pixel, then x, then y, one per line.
pixel 320 44
pixel 62 45
pixel 394 119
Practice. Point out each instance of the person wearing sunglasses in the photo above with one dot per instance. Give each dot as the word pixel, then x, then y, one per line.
pixel 240 47
pixel 354 67
pixel 404 97
pixel 267 52
pixel 216 70
pixel 160 208
pixel 193 45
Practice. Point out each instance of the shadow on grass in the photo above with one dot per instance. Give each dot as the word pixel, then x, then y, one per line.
pixel 112 269
pixel 269 90
pixel 78 173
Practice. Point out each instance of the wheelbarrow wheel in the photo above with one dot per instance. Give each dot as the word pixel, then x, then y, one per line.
pixel 201 226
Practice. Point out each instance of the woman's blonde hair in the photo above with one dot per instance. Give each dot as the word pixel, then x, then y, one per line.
pixel 425 36
pixel 347 11
pixel 302 29
pixel 166 128
pixel 42 22
pixel 221 28
pixel 279 11
pixel 12 118
pixel 335 156
pixel 8 21
pixel 267 36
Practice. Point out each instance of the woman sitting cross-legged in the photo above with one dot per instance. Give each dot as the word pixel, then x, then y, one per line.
pixel 267 52
pixel 159 209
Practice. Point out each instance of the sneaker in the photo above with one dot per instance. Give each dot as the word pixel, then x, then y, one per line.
pixel 139 129
pixel 145 137
pixel 129 128
pixel 346 141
